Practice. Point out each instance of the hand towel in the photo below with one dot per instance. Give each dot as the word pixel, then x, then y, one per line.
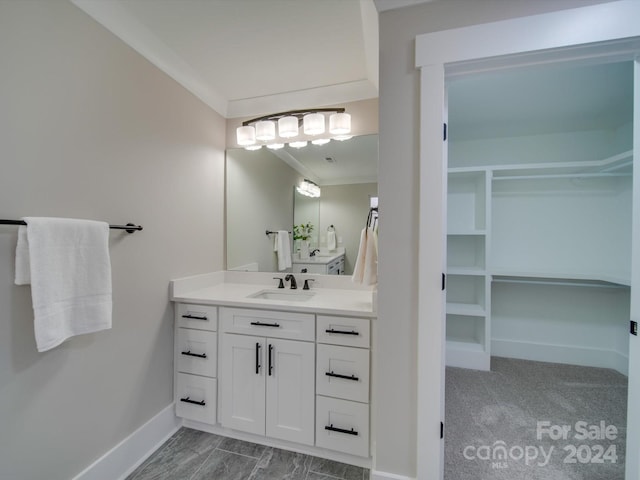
pixel 358 269
pixel 69 269
pixel 331 240
pixel 283 250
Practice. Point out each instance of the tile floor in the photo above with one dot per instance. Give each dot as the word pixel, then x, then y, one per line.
pixel 194 455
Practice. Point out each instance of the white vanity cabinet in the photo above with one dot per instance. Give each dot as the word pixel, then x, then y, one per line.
pixel 196 357
pixel 320 265
pixel 342 384
pixel 267 368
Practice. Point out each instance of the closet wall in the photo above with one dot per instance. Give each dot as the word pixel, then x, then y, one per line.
pixel 539 246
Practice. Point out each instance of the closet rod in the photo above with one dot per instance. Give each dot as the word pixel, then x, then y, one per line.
pixel 561 283
pixel 562 175
pixel 129 227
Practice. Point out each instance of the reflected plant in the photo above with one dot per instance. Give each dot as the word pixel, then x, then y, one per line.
pixel 302 231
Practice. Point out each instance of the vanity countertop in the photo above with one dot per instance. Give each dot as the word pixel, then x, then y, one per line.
pixel 333 296
pixel 321 258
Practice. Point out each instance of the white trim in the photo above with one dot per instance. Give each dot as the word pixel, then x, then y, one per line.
pixel 127 455
pixel 434 52
pixel 566 28
pixel 569 354
pixel 377 475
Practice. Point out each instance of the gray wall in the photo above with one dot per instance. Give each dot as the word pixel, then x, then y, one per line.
pixel 259 197
pixel 89 129
pixel 399 193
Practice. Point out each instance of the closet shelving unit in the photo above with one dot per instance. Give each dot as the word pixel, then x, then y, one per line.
pixel 476 195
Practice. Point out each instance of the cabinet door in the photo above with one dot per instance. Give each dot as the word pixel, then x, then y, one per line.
pixel 290 382
pixel 242 384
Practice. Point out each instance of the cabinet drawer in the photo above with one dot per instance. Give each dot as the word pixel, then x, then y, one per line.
pixel 264 323
pixel 343 372
pixel 202 317
pixel 351 332
pixel 196 352
pixel 342 425
pixel 196 398
pixel 309 268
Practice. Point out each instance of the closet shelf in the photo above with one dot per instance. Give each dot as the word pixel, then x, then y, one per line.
pixel 466 344
pixel 472 271
pixel 469 232
pixel 468 309
pixel 569 280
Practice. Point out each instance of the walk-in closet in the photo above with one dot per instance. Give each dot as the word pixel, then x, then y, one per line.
pixel 539 225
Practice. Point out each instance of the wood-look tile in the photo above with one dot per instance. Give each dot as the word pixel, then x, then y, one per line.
pixel 336 469
pixel 241 447
pixel 277 464
pixel 179 457
pixel 223 465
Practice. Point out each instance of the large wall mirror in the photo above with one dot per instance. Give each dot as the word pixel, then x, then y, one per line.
pixel 261 196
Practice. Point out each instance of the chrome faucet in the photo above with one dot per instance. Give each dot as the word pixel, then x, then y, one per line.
pixel 291 278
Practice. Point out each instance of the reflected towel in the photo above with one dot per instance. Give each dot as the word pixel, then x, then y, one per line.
pixel 283 249
pixel 366 268
pixel 331 240
pixel 67 263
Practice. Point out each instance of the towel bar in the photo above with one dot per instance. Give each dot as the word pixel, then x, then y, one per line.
pixel 129 227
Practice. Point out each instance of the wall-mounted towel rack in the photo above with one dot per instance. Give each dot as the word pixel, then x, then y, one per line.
pixel 269 232
pixel 129 227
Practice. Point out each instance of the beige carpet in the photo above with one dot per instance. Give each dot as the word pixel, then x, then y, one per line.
pixel 535 421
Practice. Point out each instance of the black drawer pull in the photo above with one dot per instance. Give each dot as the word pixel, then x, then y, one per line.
pixel 342 332
pixel 195 317
pixel 270 360
pixel 258 358
pixel 199 355
pixel 341 430
pixel 346 377
pixel 188 400
pixel 260 324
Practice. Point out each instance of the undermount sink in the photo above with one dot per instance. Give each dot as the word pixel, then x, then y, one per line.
pixel 287 295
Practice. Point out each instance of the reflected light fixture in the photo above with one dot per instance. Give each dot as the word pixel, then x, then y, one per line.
pixel 308 188
pixel 262 130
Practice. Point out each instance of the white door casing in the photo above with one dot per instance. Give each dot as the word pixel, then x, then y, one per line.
pixel 594 33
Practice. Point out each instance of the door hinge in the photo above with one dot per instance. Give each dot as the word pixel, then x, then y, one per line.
pixel 444 281
pixel 444 136
pixel 441 429
pixel 634 328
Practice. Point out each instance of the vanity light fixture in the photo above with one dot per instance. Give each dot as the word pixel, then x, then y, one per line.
pixel 275 146
pixel 299 144
pixel 262 130
pixel 308 188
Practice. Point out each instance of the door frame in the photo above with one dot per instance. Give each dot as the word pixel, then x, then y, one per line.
pixel 599 33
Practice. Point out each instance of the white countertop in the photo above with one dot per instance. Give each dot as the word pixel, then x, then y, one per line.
pixel 335 296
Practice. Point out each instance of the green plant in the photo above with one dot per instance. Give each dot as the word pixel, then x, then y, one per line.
pixel 302 231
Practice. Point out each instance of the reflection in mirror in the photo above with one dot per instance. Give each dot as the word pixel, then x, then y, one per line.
pixel 259 197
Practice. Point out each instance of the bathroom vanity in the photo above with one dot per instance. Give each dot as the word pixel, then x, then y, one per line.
pixel 282 367
pixel 323 262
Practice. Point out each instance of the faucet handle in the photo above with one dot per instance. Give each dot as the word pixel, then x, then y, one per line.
pixel 281 283
pixel 306 283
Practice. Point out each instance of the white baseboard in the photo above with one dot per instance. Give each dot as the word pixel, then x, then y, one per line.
pixel 377 475
pixel 127 455
pixel 573 355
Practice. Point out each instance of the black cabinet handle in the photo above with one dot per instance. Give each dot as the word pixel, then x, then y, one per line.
pixel 199 355
pixel 270 360
pixel 346 377
pixel 195 317
pixel 194 402
pixel 257 358
pixel 342 332
pixel 260 324
pixel 341 430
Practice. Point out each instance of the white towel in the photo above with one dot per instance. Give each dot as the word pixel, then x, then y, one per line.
pixel 331 240
pixel 366 268
pixel 67 263
pixel 283 249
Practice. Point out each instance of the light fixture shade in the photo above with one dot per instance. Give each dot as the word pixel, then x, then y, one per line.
pixel 253 147
pixel 340 124
pixel 265 130
pixel 342 138
pixel 321 141
pixel 275 146
pixel 313 124
pixel 299 144
pixel 246 135
pixel 288 127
